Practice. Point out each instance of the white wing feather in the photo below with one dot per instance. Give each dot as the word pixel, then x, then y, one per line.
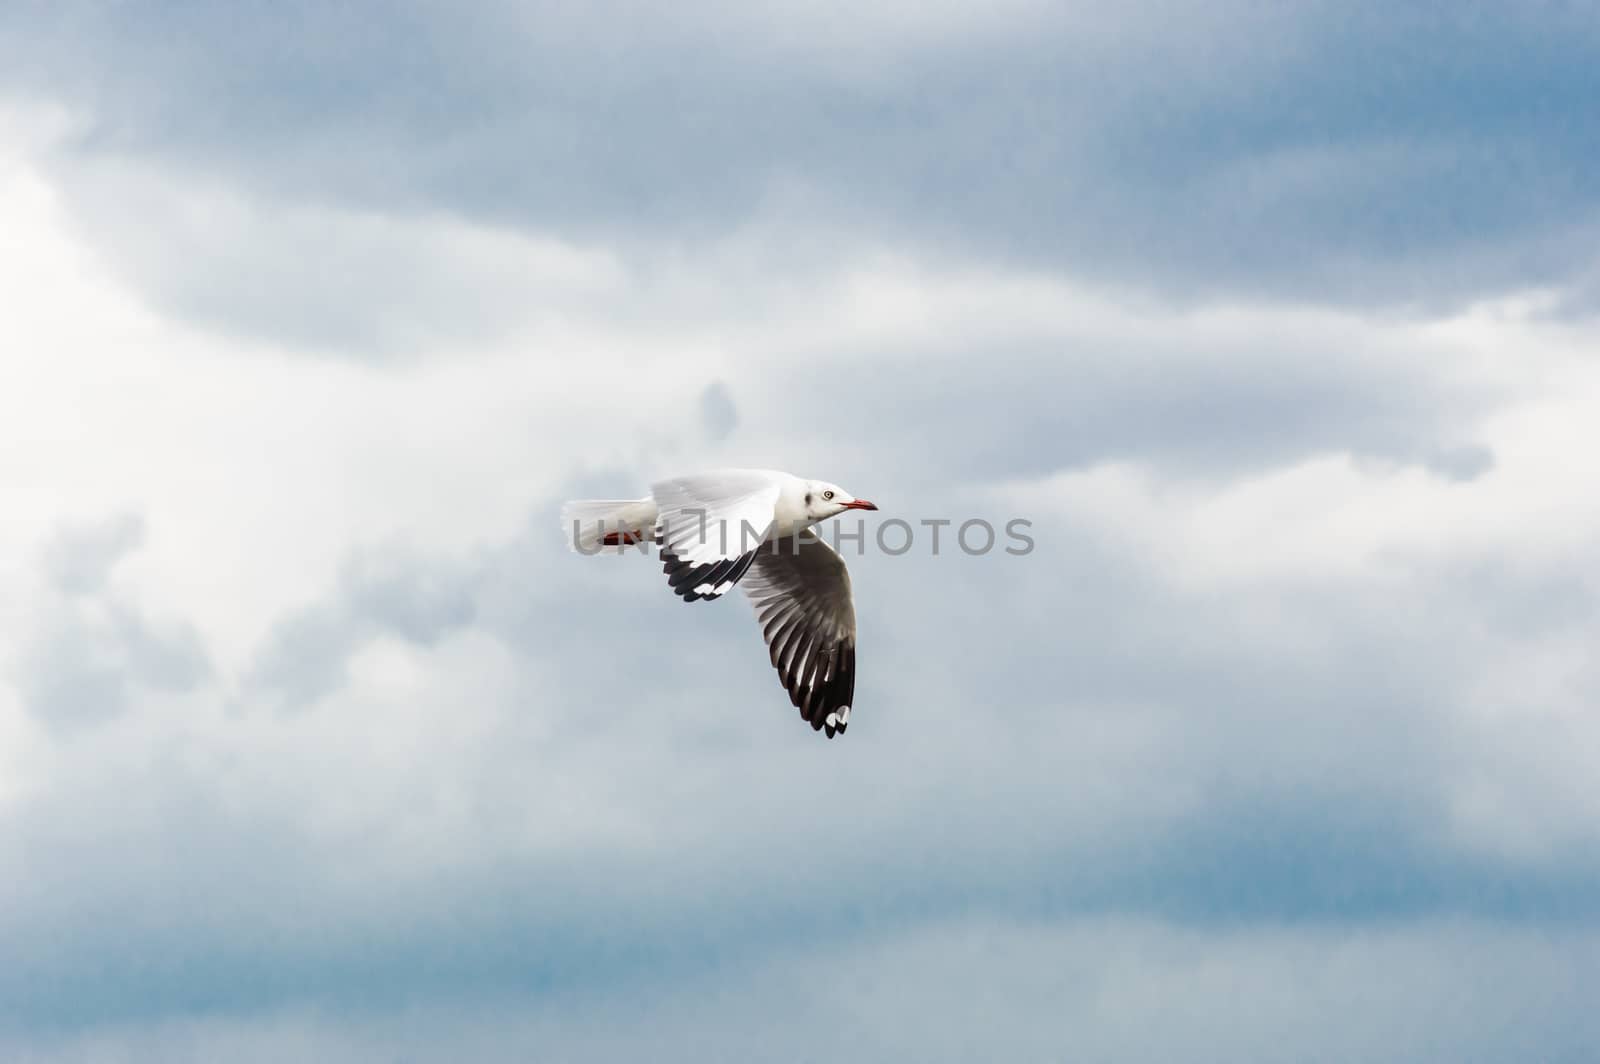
pixel 710 526
pixel 711 517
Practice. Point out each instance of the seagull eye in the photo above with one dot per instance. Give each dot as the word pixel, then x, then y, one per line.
pixel 827 495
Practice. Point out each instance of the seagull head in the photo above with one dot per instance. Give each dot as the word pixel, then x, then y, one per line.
pixel 824 500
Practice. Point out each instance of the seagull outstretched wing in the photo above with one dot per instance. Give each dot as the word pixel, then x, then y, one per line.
pixel 801 591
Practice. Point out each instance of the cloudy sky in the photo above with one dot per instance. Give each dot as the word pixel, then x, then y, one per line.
pixel 1278 321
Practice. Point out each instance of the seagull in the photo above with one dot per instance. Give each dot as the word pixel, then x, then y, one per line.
pixel 751 528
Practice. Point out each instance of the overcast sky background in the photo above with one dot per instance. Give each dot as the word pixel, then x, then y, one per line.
pixel 1277 320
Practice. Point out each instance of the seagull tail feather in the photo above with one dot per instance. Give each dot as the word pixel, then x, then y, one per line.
pixel 590 525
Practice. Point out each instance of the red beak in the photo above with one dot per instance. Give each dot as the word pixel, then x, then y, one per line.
pixel 860 504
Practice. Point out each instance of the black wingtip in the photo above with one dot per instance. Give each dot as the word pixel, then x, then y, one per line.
pixel 685 576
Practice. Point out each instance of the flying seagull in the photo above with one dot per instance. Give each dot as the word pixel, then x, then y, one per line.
pixel 751 527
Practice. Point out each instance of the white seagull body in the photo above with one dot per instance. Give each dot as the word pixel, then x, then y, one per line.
pixel 752 528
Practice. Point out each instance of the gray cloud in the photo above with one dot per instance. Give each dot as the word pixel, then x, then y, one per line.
pixel 85 669
pixel 413 599
pixel 1068 404
pixel 1120 990
pixel 717 412
pixel 92 649
pixel 80 558
pixel 1286 153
